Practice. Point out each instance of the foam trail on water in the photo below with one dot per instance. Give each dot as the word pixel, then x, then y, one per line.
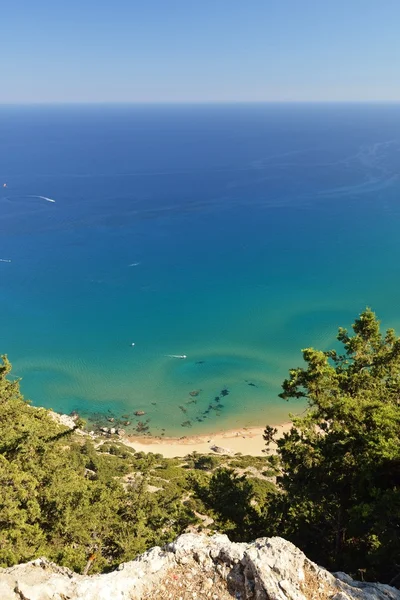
pixel 28 196
pixel 8 260
pixel 44 198
pixel 176 355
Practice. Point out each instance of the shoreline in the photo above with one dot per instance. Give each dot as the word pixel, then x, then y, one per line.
pixel 246 440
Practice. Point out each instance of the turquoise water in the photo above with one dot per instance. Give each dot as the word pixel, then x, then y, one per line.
pixel 234 235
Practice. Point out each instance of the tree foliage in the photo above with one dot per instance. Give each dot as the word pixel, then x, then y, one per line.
pixel 340 463
pixel 62 498
pixel 230 498
pixel 236 502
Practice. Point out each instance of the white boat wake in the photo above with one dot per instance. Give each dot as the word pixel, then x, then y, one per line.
pixel 8 260
pixel 176 355
pixel 19 196
pixel 43 198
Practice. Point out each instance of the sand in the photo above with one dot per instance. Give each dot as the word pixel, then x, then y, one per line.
pixel 247 440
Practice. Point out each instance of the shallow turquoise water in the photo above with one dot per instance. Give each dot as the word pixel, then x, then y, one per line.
pixel 233 235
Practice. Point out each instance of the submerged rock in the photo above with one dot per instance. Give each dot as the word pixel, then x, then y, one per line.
pixel 142 427
pixel 139 413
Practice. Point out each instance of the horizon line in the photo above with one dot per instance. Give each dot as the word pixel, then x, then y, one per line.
pixel 188 102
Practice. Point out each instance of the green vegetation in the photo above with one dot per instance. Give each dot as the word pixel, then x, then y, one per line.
pixel 332 487
pixel 340 464
pixel 237 503
pixel 62 497
pixel 85 502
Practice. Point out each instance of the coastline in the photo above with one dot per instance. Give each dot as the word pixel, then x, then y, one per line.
pixel 246 440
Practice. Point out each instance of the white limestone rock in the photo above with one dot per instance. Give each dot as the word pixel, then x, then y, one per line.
pixel 195 566
pixel 65 420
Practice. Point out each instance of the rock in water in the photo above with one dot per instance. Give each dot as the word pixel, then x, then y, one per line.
pixel 196 566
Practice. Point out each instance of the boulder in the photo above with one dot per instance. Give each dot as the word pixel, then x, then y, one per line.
pixel 220 450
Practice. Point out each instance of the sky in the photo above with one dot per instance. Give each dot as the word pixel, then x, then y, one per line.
pixel 62 51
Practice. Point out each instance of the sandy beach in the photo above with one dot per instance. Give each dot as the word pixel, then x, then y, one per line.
pixel 247 440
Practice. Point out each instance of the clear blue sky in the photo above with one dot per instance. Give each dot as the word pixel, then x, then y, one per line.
pixel 199 50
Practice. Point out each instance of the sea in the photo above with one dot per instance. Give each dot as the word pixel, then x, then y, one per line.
pixel 173 260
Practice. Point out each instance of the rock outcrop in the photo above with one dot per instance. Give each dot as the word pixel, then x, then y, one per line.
pixel 195 567
pixel 65 420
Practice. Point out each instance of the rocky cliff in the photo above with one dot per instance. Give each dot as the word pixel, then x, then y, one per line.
pixel 192 568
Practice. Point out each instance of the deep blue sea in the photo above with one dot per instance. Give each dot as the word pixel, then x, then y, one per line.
pixel 235 235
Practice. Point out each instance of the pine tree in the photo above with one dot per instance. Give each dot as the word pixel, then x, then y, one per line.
pixel 340 464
